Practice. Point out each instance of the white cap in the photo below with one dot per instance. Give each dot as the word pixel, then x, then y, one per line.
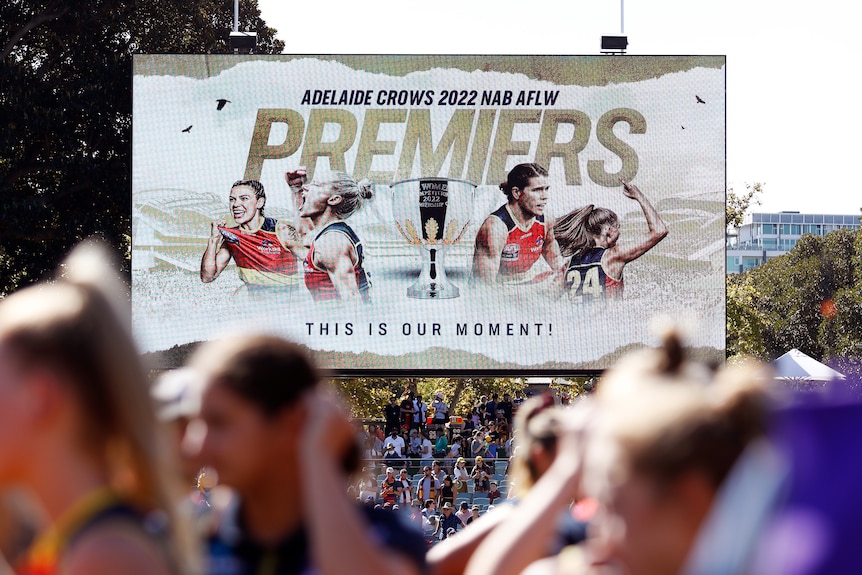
pixel 176 394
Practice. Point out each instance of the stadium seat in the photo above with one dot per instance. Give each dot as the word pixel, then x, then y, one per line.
pixel 462 497
pixel 500 467
pixel 480 500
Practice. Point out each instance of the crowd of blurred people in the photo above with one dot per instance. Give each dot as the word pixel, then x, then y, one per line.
pixel 245 461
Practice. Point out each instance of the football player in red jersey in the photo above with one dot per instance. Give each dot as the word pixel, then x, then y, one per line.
pixel 516 234
pixel 332 253
pixel 259 245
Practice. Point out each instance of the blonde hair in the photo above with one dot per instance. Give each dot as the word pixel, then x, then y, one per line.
pixel 663 416
pixel 353 194
pixel 576 231
pixel 536 425
pixel 78 327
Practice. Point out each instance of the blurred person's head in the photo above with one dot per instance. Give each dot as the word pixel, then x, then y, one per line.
pixel 73 392
pixel 666 435
pixel 252 402
pixel 177 403
pixel 537 425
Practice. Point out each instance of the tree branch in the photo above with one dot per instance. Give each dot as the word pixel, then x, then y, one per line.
pixel 34 21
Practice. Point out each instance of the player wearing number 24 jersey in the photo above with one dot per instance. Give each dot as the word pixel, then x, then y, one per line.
pixel 589 237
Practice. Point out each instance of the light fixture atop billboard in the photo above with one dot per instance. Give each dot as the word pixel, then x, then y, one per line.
pixel 614 44
pixel 243 42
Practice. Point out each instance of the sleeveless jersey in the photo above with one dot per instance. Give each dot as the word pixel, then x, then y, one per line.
pixel 522 247
pixel 99 506
pixel 585 277
pixel 260 258
pixel 319 283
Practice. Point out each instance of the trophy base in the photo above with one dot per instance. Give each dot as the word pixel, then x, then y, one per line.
pixel 432 282
pixel 433 291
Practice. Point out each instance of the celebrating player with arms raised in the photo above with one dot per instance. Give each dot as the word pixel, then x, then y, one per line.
pixel 332 252
pixel 589 236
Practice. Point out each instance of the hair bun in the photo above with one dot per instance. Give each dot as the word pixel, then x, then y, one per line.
pixel 366 188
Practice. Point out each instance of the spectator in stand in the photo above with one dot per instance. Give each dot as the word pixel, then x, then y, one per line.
pixel 373 446
pixel 389 487
pixel 392 414
pixel 506 407
pixel 461 476
pixel 492 431
pixel 477 446
pixel 481 475
pixel 420 412
pixel 491 447
pixel 491 408
pixel 390 455
pixel 503 430
pixel 428 487
pixel 481 408
pixel 404 491
pixel 451 557
pixel 455 448
pixel 441 448
pixel 517 402
pixel 398 442
pixel 441 410
pixel 463 512
pixel 476 415
pixel 429 509
pixel 474 515
pixel 449 522
pixel 471 422
pixel 367 485
pixel 407 410
pixel 494 493
pixel 414 444
pixel 432 529
pixel 426 450
pixel 447 492
pixel 438 471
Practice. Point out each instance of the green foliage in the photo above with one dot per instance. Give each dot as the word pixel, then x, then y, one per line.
pixel 737 204
pixel 368 396
pixel 809 299
pixel 745 325
pixel 65 105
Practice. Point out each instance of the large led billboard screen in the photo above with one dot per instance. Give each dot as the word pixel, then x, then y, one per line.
pixel 462 214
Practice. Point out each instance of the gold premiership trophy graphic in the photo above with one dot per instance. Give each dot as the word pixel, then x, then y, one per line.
pixel 432 214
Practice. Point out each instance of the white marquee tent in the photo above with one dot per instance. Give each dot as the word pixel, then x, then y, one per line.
pixel 796 366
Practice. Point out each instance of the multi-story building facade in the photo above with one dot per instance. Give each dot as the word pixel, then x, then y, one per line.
pixel 762 237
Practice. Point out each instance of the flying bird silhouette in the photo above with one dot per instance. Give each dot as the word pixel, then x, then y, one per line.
pixel 699 101
pixel 221 103
pixel 681 126
pixel 188 130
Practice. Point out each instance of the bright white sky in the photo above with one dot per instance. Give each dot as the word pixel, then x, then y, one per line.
pixel 792 82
